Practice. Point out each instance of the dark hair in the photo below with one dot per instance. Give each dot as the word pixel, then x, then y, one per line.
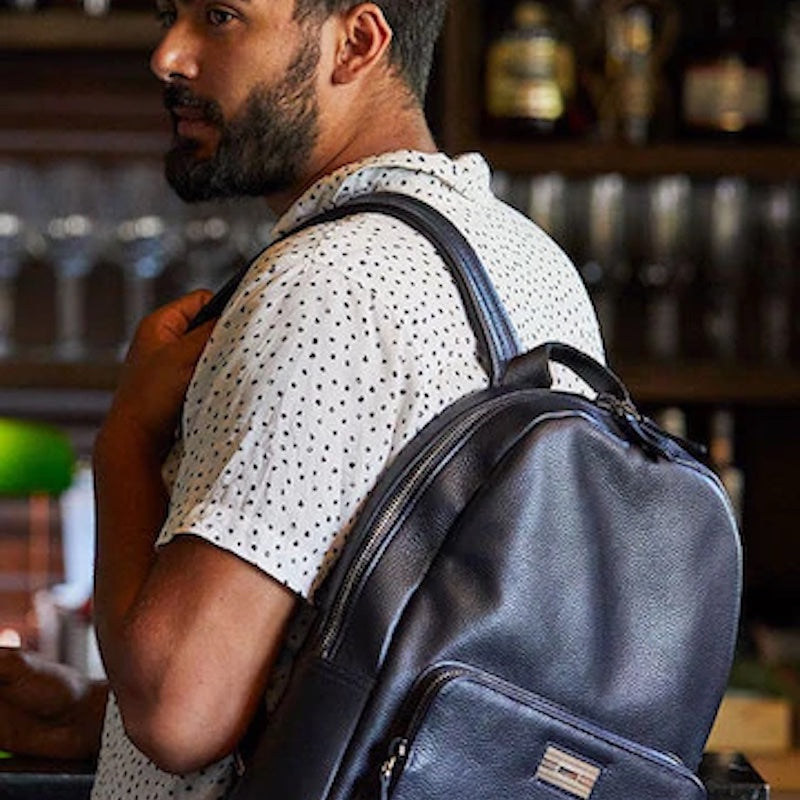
pixel 416 25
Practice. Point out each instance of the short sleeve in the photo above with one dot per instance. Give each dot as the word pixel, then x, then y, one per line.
pixel 289 421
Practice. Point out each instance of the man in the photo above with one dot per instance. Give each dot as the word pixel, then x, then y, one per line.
pixel 339 345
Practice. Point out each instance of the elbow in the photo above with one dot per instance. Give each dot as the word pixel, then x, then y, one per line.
pixel 176 738
pixel 178 713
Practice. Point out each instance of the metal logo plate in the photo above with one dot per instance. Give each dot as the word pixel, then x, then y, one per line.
pixel 568 773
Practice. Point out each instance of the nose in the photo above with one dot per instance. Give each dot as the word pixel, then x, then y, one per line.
pixel 175 57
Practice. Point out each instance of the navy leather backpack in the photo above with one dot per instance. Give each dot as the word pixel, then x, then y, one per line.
pixel 540 599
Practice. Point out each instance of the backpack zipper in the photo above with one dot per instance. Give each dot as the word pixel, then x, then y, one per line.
pixel 432 683
pixel 389 514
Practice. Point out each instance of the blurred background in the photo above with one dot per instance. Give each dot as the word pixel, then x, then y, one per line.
pixel 658 141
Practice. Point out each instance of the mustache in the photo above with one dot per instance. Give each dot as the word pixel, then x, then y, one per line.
pixel 179 96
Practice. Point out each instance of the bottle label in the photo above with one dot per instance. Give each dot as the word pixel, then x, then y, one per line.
pixel 523 79
pixel 637 95
pixel 726 96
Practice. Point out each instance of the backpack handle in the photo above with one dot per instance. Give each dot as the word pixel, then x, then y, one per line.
pixel 533 369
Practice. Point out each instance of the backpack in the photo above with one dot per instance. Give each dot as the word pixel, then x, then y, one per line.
pixel 539 599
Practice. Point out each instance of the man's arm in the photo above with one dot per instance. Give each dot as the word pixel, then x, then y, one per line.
pixel 188 635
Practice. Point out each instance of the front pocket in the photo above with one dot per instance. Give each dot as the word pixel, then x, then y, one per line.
pixel 474 736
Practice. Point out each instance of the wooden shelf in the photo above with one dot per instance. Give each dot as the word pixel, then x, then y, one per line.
pixel 700 382
pixel 72 30
pixel 460 100
pixel 768 162
pixel 704 382
pixel 23 374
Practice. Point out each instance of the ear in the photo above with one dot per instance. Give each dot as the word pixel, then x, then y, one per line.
pixel 364 39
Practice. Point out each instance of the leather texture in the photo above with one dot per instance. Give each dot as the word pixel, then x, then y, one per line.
pixel 477 714
pixel 580 569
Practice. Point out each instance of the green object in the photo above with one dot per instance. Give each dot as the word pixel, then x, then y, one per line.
pixel 5 754
pixel 34 459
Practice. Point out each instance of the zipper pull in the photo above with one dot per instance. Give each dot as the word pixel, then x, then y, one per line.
pixel 398 750
pixel 632 422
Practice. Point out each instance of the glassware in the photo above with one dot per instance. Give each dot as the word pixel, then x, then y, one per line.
pixel 72 201
pixel 530 73
pixel 728 81
pixel 666 267
pixel 790 69
pixel 778 250
pixel 251 222
pixel 635 105
pixel 15 180
pixel 547 205
pixel 604 265
pixel 729 240
pixel 146 236
pixel 210 248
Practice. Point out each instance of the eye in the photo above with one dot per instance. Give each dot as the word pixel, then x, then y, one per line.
pixel 219 17
pixel 166 16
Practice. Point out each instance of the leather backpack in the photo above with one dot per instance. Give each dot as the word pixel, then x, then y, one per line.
pixel 539 600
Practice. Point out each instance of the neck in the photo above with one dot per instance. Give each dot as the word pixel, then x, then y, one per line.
pixel 408 131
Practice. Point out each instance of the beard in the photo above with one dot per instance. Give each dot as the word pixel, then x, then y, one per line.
pixel 263 149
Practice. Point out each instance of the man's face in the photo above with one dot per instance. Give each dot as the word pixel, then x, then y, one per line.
pixel 261 145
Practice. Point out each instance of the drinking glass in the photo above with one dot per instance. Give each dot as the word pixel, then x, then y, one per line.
pixel 778 249
pixel 146 236
pixel 729 240
pixel 15 183
pixel 666 267
pixel 72 197
pixel 604 262
pixel 547 205
pixel 210 248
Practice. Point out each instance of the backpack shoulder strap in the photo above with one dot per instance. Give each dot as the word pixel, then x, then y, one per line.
pixel 497 339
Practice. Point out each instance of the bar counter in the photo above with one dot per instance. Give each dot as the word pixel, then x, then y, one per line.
pixel 726 777
pixel 39 779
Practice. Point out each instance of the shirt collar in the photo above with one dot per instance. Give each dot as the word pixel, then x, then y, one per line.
pixel 468 175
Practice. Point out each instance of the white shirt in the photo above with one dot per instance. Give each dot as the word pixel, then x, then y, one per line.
pixel 339 345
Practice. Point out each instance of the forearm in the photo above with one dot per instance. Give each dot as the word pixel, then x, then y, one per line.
pixel 131 507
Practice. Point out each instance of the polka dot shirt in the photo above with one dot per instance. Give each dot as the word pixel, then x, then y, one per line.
pixel 340 344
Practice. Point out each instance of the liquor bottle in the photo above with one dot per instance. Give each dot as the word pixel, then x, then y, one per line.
pixel 530 74
pixel 635 101
pixel 790 68
pixel 728 81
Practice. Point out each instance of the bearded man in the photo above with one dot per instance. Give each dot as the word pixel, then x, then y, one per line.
pixel 341 342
